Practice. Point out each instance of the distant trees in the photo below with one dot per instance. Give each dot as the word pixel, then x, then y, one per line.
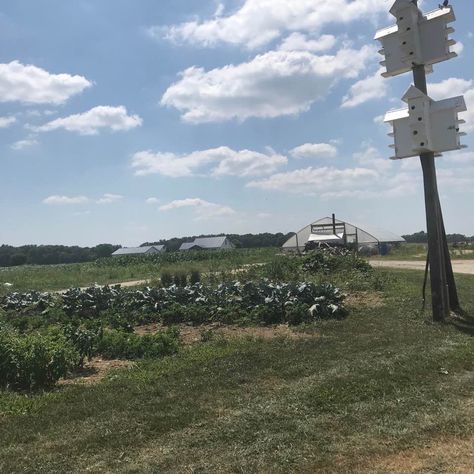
pixel 422 238
pixel 52 254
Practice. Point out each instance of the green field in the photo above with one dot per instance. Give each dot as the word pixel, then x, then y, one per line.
pixel 110 271
pixel 384 390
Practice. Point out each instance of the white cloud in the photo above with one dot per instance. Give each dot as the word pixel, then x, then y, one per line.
pixel 273 84
pixel 203 209
pixel 65 200
pixel 317 181
pixel 458 48
pixel 300 42
pixel 109 198
pixel 258 22
pixel 33 85
pixel 153 201
pixel 459 157
pixel 223 161
pixel 23 144
pixel 370 88
pixel 314 150
pixel 453 87
pixel 5 122
pixel 92 121
pixel 370 157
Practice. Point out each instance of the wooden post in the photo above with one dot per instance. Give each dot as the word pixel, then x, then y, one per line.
pixel 436 249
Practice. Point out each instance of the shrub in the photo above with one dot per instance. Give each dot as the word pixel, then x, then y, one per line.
pixel 84 340
pixel 121 345
pixel 166 279
pixel 326 262
pixel 34 361
pixel 268 314
pixel 195 277
pixel 180 279
pixel 297 314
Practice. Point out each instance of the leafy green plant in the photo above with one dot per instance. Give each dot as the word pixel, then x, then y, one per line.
pixel 195 277
pixel 166 279
pixel 120 345
pixel 84 340
pixel 34 361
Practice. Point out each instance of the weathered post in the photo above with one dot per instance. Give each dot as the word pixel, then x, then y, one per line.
pixel 427 128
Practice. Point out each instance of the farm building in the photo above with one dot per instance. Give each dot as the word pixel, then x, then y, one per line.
pixel 208 243
pixel 332 231
pixel 139 250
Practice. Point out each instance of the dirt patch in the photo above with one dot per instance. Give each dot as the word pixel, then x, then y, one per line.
pixel 195 334
pixel 453 456
pixel 367 299
pixel 94 371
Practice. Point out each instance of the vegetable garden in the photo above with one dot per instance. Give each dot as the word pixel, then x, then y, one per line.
pixel 44 335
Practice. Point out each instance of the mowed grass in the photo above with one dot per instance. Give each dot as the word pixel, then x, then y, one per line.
pixel 347 399
pixel 58 277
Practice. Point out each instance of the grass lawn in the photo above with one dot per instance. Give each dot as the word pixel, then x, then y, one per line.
pixel 383 391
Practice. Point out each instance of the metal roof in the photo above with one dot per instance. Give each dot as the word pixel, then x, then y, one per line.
pixel 210 242
pixel 187 246
pixel 205 243
pixel 138 250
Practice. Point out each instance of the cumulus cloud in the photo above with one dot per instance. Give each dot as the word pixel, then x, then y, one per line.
pixel 65 200
pixel 370 157
pixel 258 22
pixel 453 87
pixel 317 181
pixel 273 84
pixel 23 144
pixel 203 209
pixel 33 85
pixel 94 120
pixel 152 201
pixel 370 88
pixel 301 42
pixel 6 122
pixel 222 161
pixel 314 150
pixel 109 198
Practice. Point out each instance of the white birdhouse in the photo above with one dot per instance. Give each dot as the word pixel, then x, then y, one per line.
pixel 416 39
pixel 426 125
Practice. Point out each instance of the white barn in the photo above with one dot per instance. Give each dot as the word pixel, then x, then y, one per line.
pixel 208 243
pixel 139 250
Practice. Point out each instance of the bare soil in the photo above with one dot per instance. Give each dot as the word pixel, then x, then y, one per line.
pixel 95 370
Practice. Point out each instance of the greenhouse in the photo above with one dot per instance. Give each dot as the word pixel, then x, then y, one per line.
pixel 334 232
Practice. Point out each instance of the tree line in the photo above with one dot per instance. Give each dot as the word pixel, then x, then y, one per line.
pixel 422 238
pixel 52 254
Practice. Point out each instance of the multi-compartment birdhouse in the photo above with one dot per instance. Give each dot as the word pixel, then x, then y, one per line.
pixel 416 39
pixel 426 125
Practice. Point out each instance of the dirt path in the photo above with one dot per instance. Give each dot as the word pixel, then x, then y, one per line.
pixel 459 266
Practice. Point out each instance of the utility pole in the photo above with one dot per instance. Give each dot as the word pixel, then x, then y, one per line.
pixel 428 127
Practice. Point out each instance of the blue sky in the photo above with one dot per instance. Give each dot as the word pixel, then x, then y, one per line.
pixel 128 121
